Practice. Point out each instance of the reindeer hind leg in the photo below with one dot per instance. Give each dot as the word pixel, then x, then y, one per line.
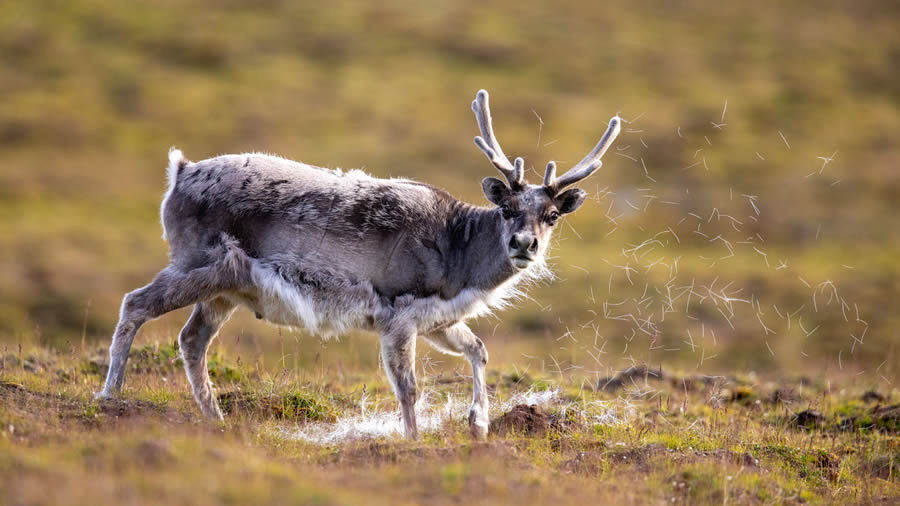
pixel 172 289
pixel 194 340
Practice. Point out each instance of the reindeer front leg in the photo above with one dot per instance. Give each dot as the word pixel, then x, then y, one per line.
pixel 459 339
pixel 398 351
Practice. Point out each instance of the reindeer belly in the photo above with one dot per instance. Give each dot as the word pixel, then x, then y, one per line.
pixel 326 302
pixel 322 302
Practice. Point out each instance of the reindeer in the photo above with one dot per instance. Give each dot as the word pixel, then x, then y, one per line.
pixel 332 250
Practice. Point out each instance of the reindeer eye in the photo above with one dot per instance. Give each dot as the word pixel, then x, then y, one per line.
pixel 507 212
pixel 552 217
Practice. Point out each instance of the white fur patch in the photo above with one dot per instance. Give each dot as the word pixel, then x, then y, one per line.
pixel 282 303
pixel 431 415
pixel 175 158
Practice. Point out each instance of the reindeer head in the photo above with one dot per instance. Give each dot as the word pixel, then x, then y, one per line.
pixel 529 211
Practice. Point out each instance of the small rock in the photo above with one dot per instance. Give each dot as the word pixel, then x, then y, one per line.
pixel 748 460
pixel 32 365
pixel 808 418
pixel 9 385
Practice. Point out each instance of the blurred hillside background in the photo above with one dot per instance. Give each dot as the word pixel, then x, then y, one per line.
pixel 748 216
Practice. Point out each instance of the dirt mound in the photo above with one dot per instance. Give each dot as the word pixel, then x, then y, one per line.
pixel 127 408
pixel 808 419
pixel 523 419
pixel 872 396
pixel 881 418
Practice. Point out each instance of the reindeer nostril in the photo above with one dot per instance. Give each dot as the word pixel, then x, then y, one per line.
pixel 514 242
pixel 533 246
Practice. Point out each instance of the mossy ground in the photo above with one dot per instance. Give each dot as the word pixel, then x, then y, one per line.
pixel 678 441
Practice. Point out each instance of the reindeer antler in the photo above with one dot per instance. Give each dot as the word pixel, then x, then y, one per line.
pixel 588 165
pixel 488 143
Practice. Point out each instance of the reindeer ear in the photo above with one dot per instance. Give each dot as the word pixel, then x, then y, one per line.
pixel 570 200
pixel 495 190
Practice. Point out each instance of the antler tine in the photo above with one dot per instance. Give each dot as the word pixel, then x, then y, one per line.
pixel 487 141
pixel 550 174
pixel 591 162
pixel 519 169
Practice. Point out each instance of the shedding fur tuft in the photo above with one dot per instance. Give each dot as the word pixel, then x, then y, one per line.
pixel 177 161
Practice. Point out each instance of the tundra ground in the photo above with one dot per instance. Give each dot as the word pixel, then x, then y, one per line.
pixel 643 436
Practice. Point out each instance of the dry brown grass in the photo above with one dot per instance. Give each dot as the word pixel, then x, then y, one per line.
pixel 683 439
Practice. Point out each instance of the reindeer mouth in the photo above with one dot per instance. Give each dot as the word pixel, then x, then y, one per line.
pixel 521 261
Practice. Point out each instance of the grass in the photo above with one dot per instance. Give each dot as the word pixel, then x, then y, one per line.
pixel 700 445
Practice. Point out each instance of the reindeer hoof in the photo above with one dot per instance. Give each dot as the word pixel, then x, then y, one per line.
pixel 99 396
pixel 479 429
